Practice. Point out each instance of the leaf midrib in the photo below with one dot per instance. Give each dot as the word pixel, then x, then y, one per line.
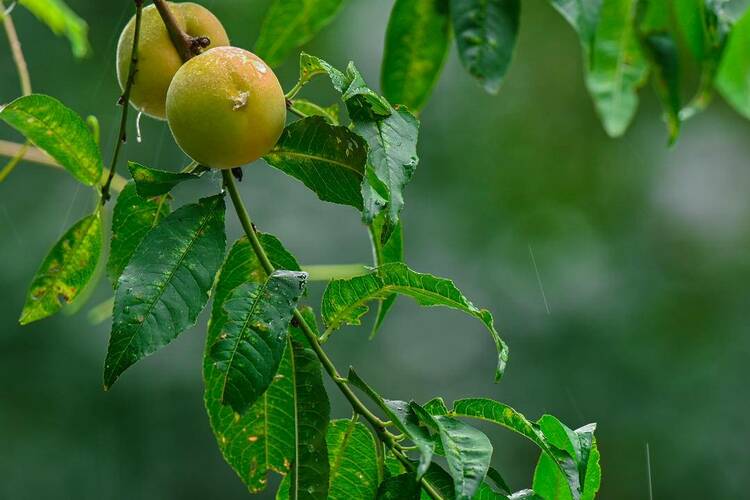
pixel 313 157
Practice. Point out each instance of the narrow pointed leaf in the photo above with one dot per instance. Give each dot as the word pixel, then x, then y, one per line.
pixel 263 438
pixel 662 51
pixel 291 23
pixel 132 218
pixel 402 487
pixel 346 301
pixel 329 113
pixel 152 182
pixel 416 45
pixel 62 21
pixel 486 33
pixel 249 349
pixel 309 473
pixel 59 131
pixel 66 270
pixel 385 253
pixel 166 283
pixel 328 159
pixel 618 66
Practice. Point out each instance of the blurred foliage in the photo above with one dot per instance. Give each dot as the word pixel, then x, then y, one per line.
pixel 638 251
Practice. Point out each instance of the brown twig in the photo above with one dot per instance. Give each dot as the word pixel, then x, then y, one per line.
pixel 15 47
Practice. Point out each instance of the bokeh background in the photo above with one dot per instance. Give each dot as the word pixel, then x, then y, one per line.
pixel 639 251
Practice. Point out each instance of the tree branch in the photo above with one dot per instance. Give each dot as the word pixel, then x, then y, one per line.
pixel 36 155
pixel 124 101
pixel 186 45
pixel 15 47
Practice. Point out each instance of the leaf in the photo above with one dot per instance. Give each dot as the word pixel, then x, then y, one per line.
pixel 62 21
pixel 328 159
pixel 467 450
pixel 392 159
pixel 400 413
pixel 59 131
pixel 618 66
pixel 329 113
pixel 249 349
pixel 263 438
pixel 132 218
pixel 353 460
pixel 401 487
pixel 416 46
pixel 505 416
pixel 310 469
pixel 583 16
pixel 733 77
pixel 662 51
pixel 345 301
pixel 549 481
pixel 385 253
pixel 152 182
pixel 391 136
pixel 486 32
pixel 166 283
pixel 497 478
pixel 292 23
pixel 65 271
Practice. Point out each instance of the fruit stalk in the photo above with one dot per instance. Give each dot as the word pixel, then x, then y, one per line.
pixel 182 42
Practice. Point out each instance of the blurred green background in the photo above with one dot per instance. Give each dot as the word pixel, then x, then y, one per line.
pixel 641 254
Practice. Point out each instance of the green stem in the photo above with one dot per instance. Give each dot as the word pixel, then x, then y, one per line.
pixel 334 271
pixel 15 47
pixel 125 101
pixel 8 168
pixel 377 424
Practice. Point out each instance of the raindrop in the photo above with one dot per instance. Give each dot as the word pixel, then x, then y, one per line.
pixel 138 127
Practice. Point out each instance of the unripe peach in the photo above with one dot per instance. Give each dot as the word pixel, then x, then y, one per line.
pixel 226 108
pixel 158 60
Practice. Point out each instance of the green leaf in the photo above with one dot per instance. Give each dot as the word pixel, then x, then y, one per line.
pixel 495 476
pixel 392 159
pixel 416 46
pixel 583 16
pixel 59 131
pixel 618 66
pixel 505 416
pixel 467 450
pixel 292 23
pixel 65 271
pixel 309 473
pixel 152 182
pixel 402 415
pixel 385 253
pixel 391 136
pixel 62 21
pixel 249 349
pixel 263 438
pixel 345 301
pixel 486 32
pixel 132 218
pixel 329 113
pixel 166 283
pixel 401 487
pixel 549 480
pixel 733 77
pixel 328 159
pixel 353 460
pixel 662 51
